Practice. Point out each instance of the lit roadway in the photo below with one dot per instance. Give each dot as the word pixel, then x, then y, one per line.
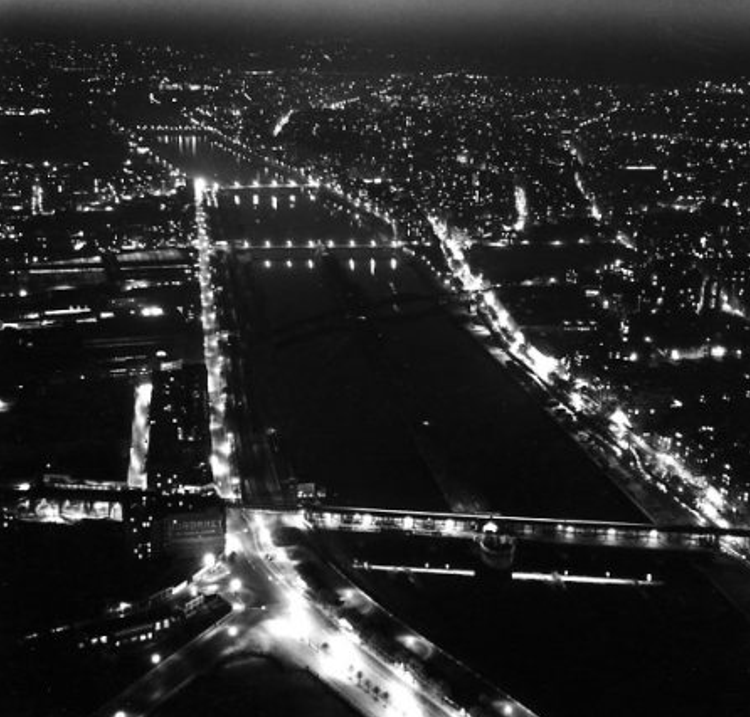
pixel 610 435
pixel 234 634
pixel 304 633
pixel 180 668
pixel 273 614
pixel 222 440
pixel 139 437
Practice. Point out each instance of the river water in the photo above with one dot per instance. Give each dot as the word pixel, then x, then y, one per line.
pixel 381 396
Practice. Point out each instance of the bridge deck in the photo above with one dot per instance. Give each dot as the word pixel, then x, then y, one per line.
pixel 474 525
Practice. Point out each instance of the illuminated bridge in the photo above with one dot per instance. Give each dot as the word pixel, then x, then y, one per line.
pixel 271 184
pixel 475 525
pixel 169 129
pixel 315 247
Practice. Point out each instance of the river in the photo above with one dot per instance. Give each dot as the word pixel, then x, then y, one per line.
pixel 382 397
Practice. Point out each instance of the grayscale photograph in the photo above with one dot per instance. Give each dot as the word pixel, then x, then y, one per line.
pixel 374 358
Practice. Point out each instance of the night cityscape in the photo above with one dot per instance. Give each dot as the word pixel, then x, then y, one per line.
pixel 385 360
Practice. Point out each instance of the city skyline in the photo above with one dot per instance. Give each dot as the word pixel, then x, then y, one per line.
pixel 390 376
pixel 648 38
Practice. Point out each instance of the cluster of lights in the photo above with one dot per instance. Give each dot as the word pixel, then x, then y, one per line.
pixel 331 184
pixel 221 438
pixel 594 211
pixel 522 209
pixel 709 503
pixel 338 654
pixel 140 436
pixel 453 243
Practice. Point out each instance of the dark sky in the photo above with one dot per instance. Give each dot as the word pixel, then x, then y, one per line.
pixel 414 13
pixel 700 35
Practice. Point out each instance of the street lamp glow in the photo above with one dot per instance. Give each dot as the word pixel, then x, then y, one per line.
pixel 620 420
pixel 209 560
pixel 151 311
pixel 576 401
pixel 544 365
pixel 155 658
pixel 235 585
pixel 232 543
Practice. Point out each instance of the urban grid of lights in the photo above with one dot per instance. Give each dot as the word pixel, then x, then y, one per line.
pixel 692 492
